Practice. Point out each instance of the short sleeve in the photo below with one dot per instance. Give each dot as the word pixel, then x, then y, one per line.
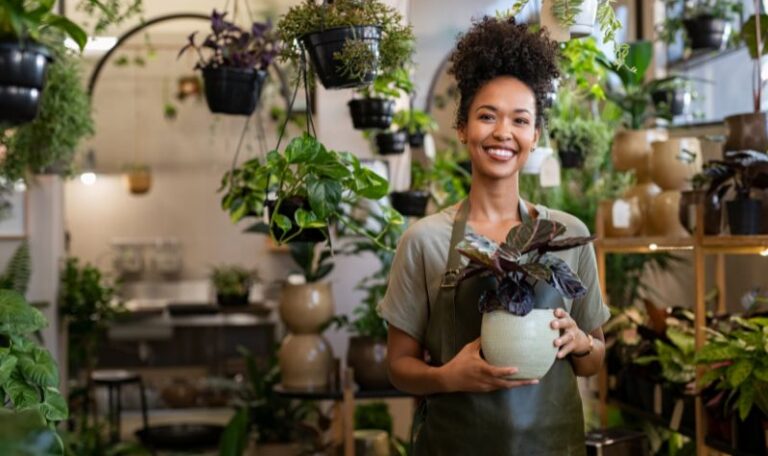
pixel 589 311
pixel 406 301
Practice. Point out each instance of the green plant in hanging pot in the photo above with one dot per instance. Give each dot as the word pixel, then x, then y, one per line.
pixel 413 202
pixel 234 63
pixel 416 123
pixel 348 42
pixel 576 137
pixel 232 284
pixel 376 106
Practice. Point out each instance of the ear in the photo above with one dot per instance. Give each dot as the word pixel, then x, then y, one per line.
pixel 461 131
pixel 536 135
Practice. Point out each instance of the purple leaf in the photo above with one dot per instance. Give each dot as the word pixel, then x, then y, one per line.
pixel 478 249
pixel 516 297
pixel 530 235
pixel 565 244
pixel 563 279
pixel 218 25
pixel 537 271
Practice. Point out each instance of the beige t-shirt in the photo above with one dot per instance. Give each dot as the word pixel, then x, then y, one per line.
pixel 422 256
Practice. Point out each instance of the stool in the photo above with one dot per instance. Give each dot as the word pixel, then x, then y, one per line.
pixel 114 380
pixel 617 442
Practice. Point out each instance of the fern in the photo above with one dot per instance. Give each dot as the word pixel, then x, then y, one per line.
pixel 17 272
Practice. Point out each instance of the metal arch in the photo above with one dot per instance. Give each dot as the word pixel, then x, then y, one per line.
pixel 125 36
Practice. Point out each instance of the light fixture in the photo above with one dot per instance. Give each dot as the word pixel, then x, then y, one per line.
pixel 94 46
pixel 653 247
pixel 764 252
pixel 88 176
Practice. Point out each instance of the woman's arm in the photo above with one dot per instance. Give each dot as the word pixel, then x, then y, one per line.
pixel 467 371
pixel 575 340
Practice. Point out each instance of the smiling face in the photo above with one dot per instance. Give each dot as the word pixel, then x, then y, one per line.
pixel 500 131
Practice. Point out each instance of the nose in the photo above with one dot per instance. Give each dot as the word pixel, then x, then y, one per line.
pixel 502 131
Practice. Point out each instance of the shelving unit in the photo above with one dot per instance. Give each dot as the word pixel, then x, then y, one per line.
pixel 701 246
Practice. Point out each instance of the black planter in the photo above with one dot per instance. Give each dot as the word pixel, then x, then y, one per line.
pixel 571 158
pixel 321 47
pixel 233 90
pixel 22 77
pixel 370 113
pixel 670 101
pixel 416 139
pixel 411 203
pixel 750 435
pixel 288 208
pixel 669 399
pixel 706 32
pixel 368 357
pixel 229 300
pixel 744 216
pixel 391 142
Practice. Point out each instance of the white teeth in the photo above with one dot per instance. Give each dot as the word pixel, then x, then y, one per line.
pixel 500 153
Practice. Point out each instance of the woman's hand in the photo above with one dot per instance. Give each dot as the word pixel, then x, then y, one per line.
pixel 572 339
pixel 469 372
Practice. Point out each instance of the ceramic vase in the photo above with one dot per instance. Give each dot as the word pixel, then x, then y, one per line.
pixel 367 357
pixel 664 215
pixel 626 224
pixel 674 162
pixel 632 148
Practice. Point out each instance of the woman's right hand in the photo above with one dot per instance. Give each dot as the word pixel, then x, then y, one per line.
pixel 469 372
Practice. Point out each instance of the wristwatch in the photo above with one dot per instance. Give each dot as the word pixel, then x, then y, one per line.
pixel 591 346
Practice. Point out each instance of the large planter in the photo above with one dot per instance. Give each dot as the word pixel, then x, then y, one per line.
pixel 323 45
pixel 288 208
pixel 22 77
pixel 664 216
pixel 526 343
pixel 745 216
pixel 391 142
pixel 673 102
pixel 368 113
pixel 747 132
pixel 584 22
pixel 307 307
pixel 233 90
pixel 411 203
pixel 674 162
pixel 626 223
pixel 707 32
pixel 645 192
pixel 139 180
pixel 631 149
pixel 368 358
pixel 571 159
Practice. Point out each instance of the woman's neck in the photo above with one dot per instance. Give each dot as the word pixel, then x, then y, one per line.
pixel 494 200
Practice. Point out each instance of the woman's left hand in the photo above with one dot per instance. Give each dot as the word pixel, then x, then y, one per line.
pixel 572 339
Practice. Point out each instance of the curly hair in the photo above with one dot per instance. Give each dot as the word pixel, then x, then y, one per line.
pixel 499 47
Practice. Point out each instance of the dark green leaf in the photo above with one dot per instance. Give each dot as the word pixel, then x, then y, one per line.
pixel 711 376
pixel 712 353
pixel 54 407
pixel 738 372
pixel 324 196
pixel 761 373
pixel 235 436
pixel 283 222
pixel 306 219
pixel 38 367
pixel 531 235
pixel 749 35
pixel 302 149
pixel 70 28
pixel 7 366
pixel 746 400
pixel 538 271
pixel 22 394
pixel 18 317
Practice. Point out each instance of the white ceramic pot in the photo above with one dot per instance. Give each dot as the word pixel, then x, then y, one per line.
pixel 536 159
pixel 547 19
pixel 584 22
pixel 526 343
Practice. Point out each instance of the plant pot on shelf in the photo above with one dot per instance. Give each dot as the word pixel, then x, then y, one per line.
pixel 416 139
pixel 631 149
pixel 747 132
pixel 391 142
pixel 664 215
pixel 674 102
pixel 584 22
pixel 571 159
pixel 674 162
pixel 233 90
pixel 139 180
pixel 232 300
pixel 370 113
pixel 524 342
pixel 368 357
pixel 745 216
pixel 645 192
pixel 22 78
pixel 707 32
pixel 323 46
pixel 410 203
pixel 622 217
pixel 288 208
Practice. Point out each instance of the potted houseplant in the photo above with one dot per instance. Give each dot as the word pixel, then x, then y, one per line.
pixel 24 55
pixel 234 63
pixel 391 142
pixel 576 137
pixel 413 202
pixel 513 333
pixel 416 123
pixel 376 107
pixel 709 189
pixel 707 23
pixel 671 96
pixel 232 284
pixel 747 170
pixel 138 178
pixel 348 42
pixel 310 186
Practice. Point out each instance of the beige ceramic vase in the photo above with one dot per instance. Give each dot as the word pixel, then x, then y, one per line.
pixel 305 308
pixel 674 162
pixel 631 148
pixel 664 215
pixel 626 224
pixel 644 192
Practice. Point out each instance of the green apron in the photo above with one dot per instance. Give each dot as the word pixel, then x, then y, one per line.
pixel 535 420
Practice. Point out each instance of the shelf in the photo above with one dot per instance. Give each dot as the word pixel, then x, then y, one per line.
pixel 735 244
pixel 337 395
pixel 656 419
pixel 644 244
pixel 699 58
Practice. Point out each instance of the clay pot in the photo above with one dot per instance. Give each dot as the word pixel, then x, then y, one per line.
pixel 664 215
pixel 305 308
pixel 674 162
pixel 644 192
pixel 368 357
pixel 524 342
pixel 747 132
pixel 305 362
pixel 371 442
pixel 138 180
pixel 631 149
pixel 620 226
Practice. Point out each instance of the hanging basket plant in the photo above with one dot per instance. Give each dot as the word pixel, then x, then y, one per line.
pixel 349 42
pixel 234 63
pixel 391 142
pixel 376 107
pixel 416 123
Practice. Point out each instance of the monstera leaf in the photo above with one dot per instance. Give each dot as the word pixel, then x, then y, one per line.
pixel 531 235
pixel 479 249
pixel 516 297
pixel 563 278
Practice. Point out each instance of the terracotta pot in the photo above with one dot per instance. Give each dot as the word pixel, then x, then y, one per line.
pixel 371 442
pixel 747 132
pixel 305 308
pixel 664 215
pixel 138 180
pixel 626 225
pixel 305 362
pixel 674 162
pixel 644 192
pixel 523 342
pixel 368 357
pixel 631 149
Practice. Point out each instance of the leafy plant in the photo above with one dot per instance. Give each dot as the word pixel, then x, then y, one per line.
pixel 63 121
pixel 397 40
pixel 580 69
pixel 232 47
pixel 33 19
pixel 742 169
pixel 414 121
pixel 110 12
pixel 676 356
pixel 17 272
pixel 373 416
pixel 754 38
pixel 232 280
pixel 580 134
pixel 304 254
pixel 522 258
pixel 26 432
pixel 634 97
pixel 388 85
pixel 727 10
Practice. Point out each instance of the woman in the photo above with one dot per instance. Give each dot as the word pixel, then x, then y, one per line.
pixel 504 74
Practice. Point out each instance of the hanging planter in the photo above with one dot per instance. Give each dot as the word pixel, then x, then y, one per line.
pixel 391 142
pixel 707 32
pixel 233 90
pixel 416 123
pixel 288 209
pixel 327 48
pixel 584 22
pixel 22 77
pixel 138 179
pixel 371 113
pixel 571 159
pixel 412 203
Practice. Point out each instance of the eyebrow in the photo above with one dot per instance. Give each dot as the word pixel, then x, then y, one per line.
pixel 494 109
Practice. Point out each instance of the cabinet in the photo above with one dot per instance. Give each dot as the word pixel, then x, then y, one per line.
pixel 701 246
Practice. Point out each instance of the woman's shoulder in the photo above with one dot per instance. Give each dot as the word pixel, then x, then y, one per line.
pixel 431 229
pixel 573 225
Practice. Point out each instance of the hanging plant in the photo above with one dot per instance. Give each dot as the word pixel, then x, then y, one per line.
pixel 376 107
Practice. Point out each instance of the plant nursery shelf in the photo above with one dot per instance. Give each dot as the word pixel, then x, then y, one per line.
pixel 724 447
pixel 337 395
pixel 644 244
pixel 652 417
pixel 700 58
pixel 736 244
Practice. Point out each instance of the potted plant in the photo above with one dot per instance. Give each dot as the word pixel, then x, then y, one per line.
pixel 138 178
pixel 513 333
pixel 576 137
pixel 349 42
pixel 24 55
pixel 709 189
pixel 671 96
pixel 708 22
pixel 232 284
pixel 391 142
pixel 413 202
pixel 376 108
pixel 234 63
pixel 310 188
pixel 416 123
pixel 750 131
pixel 745 170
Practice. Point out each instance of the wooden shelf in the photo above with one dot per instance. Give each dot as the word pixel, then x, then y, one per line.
pixel 643 244
pixel 735 244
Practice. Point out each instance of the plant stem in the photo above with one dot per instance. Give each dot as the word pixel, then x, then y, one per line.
pixel 758 93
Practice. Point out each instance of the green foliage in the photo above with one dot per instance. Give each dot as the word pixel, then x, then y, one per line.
pixel 17 272
pixel 727 10
pixel 749 35
pixel 304 253
pixel 33 18
pixel 110 12
pixel 63 121
pixel 93 440
pixel 328 180
pixel 580 134
pixel 26 433
pixel 579 67
pixel 414 121
pixel 676 357
pixel 356 59
pixel 389 85
pixel 232 280
pixel 634 98
pixel 373 416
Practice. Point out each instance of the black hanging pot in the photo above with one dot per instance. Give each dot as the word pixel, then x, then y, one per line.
pixel 368 113
pixel 416 139
pixel 706 32
pixel 571 158
pixel 391 142
pixel 322 47
pixel 22 77
pixel 288 208
pixel 411 203
pixel 671 101
pixel 744 216
pixel 233 90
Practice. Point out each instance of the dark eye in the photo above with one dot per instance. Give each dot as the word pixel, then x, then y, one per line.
pixel 485 116
pixel 522 121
